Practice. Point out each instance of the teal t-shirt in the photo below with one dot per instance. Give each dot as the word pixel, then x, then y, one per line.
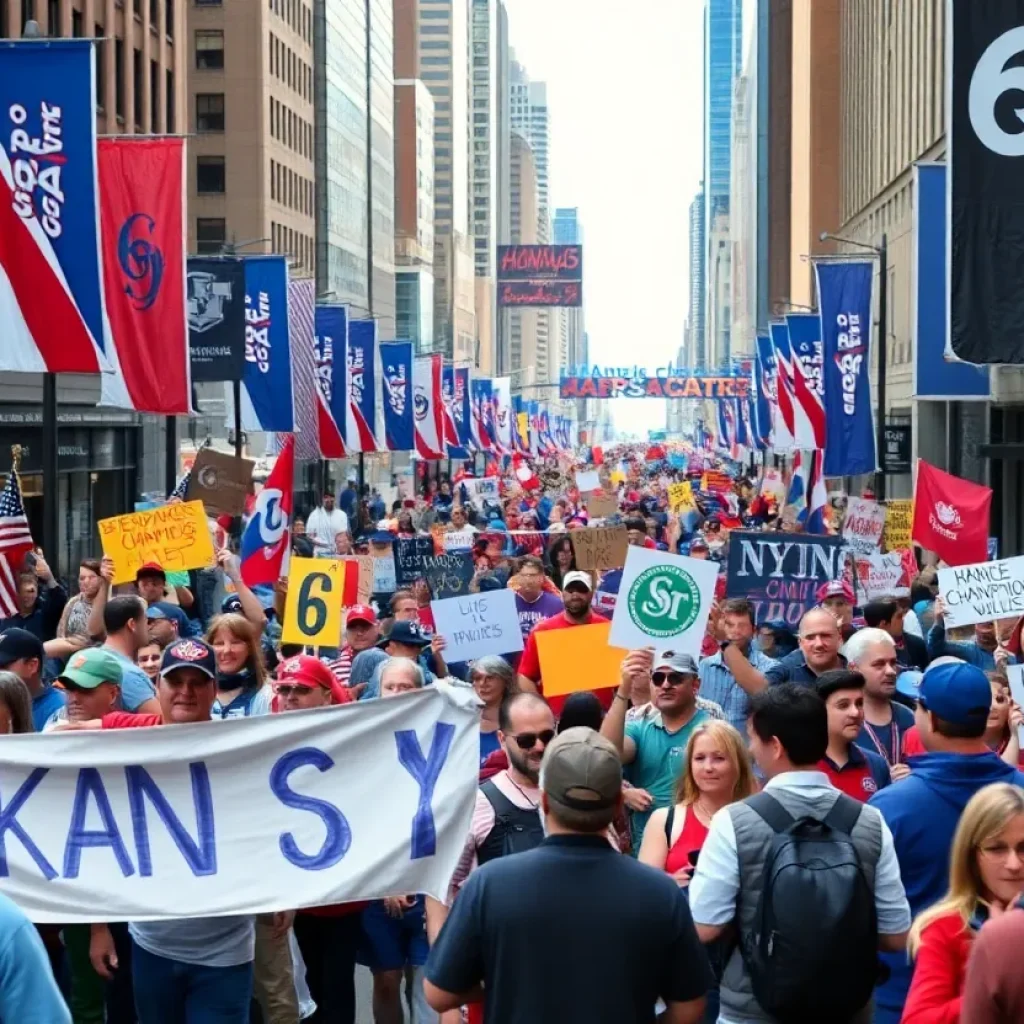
pixel 658 762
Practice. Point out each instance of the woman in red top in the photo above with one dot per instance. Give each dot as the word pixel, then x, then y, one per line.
pixel 716 771
pixel 986 876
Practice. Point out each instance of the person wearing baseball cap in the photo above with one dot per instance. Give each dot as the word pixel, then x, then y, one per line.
pixel 91 682
pixel 21 652
pixel 362 632
pixel 162 623
pixel 923 809
pixel 622 912
pixel 838 597
pixel 306 682
pixel 577 595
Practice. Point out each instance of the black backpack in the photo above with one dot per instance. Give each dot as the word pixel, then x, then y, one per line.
pixel 812 954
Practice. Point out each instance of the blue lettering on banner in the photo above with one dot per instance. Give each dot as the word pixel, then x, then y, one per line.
pixel 141 261
pixel 90 784
pixel 339 832
pixel 426 772
pixel 200 855
pixel 9 822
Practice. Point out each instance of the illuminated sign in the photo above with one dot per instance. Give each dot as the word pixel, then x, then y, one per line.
pixel 662 385
pixel 540 275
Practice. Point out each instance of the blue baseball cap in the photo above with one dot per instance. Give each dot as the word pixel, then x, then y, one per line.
pixel 956 692
pixel 909 683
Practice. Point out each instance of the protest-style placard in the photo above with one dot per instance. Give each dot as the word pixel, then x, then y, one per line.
pixel 664 601
pixel 982 592
pixel 411 554
pixel 580 658
pixel 602 505
pixel 248 816
pixel 863 525
pixel 881 575
pixel 772 485
pixel 458 540
pixel 175 536
pixel 781 572
pixel 481 489
pixel 600 547
pixel 1015 677
pixel 220 481
pixel 680 497
pixel 587 480
pixel 899 519
pixel 363 566
pixel 478 624
pixel 312 610
pixel 450 575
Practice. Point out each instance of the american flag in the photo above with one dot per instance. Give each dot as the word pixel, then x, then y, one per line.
pixel 15 543
pixel 181 487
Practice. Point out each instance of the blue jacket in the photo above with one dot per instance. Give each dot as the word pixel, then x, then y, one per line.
pixel 922 812
pixel 939 645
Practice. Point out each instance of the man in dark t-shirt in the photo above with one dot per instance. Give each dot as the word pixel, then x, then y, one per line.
pixel 527 932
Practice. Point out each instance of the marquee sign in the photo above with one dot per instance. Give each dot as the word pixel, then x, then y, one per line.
pixel 640 385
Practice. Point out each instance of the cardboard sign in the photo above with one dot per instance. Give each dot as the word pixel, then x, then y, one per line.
pixel 459 540
pixel 1015 677
pixel 600 547
pixel 587 480
pixel 363 565
pixel 664 601
pixel 175 536
pixel 221 482
pixel 680 497
pixel 772 485
pixel 982 592
pixel 481 489
pixel 881 575
pixel 601 506
pixel 899 519
pixel 564 653
pixel 478 624
pixel 450 576
pixel 781 572
pixel 863 525
pixel 411 554
pixel 312 610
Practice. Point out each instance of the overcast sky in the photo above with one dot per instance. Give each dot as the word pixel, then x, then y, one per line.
pixel 625 95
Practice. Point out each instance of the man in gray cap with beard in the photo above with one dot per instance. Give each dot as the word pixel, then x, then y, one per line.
pixel 529 934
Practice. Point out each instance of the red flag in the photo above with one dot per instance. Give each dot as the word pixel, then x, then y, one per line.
pixel 142 222
pixel 951 516
pixel 597 454
pixel 267 539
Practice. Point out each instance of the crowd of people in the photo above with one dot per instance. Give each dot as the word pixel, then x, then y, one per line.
pixel 819 822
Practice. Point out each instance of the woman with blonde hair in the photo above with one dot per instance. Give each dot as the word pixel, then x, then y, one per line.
pixel 242 688
pixel 986 876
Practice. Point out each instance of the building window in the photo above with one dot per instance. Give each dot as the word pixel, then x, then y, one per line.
pixel 137 89
pixel 208 3
pixel 169 76
pixel 169 18
pixel 154 96
pixel 210 174
pixel 211 234
pixel 76 24
pixel 209 49
pixel 101 68
pixel 119 77
pixel 210 112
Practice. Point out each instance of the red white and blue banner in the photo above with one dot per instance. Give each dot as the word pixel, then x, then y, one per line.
pixel 785 423
pixel 453 411
pixel 428 407
pixel 266 390
pixel 462 408
pixel 301 336
pixel 396 375
pixel 331 343
pixel 808 389
pixel 52 316
pixel 360 429
pixel 142 218
pixel 844 294
pixel 266 542
pixel 502 394
pixel 480 394
pixel 764 388
pixel 520 425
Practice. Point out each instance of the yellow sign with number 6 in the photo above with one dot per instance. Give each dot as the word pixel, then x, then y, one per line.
pixel 312 612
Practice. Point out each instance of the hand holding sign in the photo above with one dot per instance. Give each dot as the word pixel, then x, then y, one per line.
pixel 312 614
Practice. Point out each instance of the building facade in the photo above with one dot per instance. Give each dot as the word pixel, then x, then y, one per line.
pixel 696 347
pixel 528 347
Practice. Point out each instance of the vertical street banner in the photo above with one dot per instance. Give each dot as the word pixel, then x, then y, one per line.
pixel 331 345
pixel 52 316
pixel 305 387
pixel 785 424
pixel 808 389
pixel 480 393
pixel 462 409
pixel 844 294
pixel 142 224
pixel 267 383
pixel 396 376
pixel 937 375
pixel 427 406
pixel 215 300
pixel 764 388
pixel 360 431
pixel 519 425
pixel 984 146
pixel 502 387
pixel 451 433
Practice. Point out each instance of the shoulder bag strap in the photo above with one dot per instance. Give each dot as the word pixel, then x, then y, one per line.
pixel 771 812
pixel 670 820
pixel 844 814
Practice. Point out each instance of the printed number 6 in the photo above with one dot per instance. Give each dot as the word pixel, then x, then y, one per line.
pixel 313 607
pixel 991 80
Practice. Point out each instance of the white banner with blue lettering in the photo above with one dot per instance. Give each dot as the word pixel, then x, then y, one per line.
pixel 247 816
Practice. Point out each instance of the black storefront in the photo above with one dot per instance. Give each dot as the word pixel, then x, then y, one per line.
pixel 97 452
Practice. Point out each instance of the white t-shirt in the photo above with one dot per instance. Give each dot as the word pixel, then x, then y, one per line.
pixel 323 526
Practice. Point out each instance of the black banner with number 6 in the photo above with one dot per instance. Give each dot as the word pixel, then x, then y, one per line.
pixel 985 144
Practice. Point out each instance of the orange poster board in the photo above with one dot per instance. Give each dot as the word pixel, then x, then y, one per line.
pixel 579 658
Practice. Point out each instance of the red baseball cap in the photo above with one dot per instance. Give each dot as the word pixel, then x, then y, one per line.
pixel 150 569
pixel 361 613
pixel 305 670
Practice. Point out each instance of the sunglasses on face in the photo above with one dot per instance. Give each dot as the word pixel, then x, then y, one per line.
pixel 667 679
pixel 528 740
pixel 287 691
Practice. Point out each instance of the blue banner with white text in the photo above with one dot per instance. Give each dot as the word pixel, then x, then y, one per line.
pixel 361 435
pixel 462 410
pixel 844 293
pixel 396 374
pixel 764 388
pixel 331 358
pixel 267 382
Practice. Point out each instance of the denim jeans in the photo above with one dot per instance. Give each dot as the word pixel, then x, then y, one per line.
pixel 172 992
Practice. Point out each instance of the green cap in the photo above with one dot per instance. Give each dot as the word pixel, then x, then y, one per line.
pixel 91 667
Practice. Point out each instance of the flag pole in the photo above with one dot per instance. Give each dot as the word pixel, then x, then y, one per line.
pixel 51 490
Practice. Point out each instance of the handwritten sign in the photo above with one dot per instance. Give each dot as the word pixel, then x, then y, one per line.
pixel 562 652
pixel 450 576
pixel 863 525
pixel 982 592
pixel 176 537
pixel 587 480
pixel 882 575
pixel 478 624
pixel 680 497
pixel 600 547
pixel 481 489
pixel 601 506
pixel 459 540
pixel 411 554
pixel 312 611
pixel 899 518
pixel 772 485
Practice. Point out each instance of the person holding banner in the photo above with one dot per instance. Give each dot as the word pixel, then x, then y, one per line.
pixel 984 650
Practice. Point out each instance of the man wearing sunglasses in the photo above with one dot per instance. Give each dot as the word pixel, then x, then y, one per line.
pixel 653 744
pixel 92 687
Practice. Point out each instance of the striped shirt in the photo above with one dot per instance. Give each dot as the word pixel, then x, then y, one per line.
pixel 718 684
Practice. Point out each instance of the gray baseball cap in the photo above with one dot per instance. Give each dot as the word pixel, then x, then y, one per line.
pixel 582 771
pixel 674 661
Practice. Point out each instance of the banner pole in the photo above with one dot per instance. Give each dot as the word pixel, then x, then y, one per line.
pixel 883 319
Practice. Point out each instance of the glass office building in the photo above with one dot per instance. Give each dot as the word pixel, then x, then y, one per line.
pixel 723 53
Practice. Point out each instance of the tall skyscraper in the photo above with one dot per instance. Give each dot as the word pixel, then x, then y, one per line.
pixel 696 346
pixel 528 349
pixel 529 117
pixel 354 155
pixel 567 230
pixel 723 51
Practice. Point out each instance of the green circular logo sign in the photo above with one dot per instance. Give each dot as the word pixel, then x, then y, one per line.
pixel 664 600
